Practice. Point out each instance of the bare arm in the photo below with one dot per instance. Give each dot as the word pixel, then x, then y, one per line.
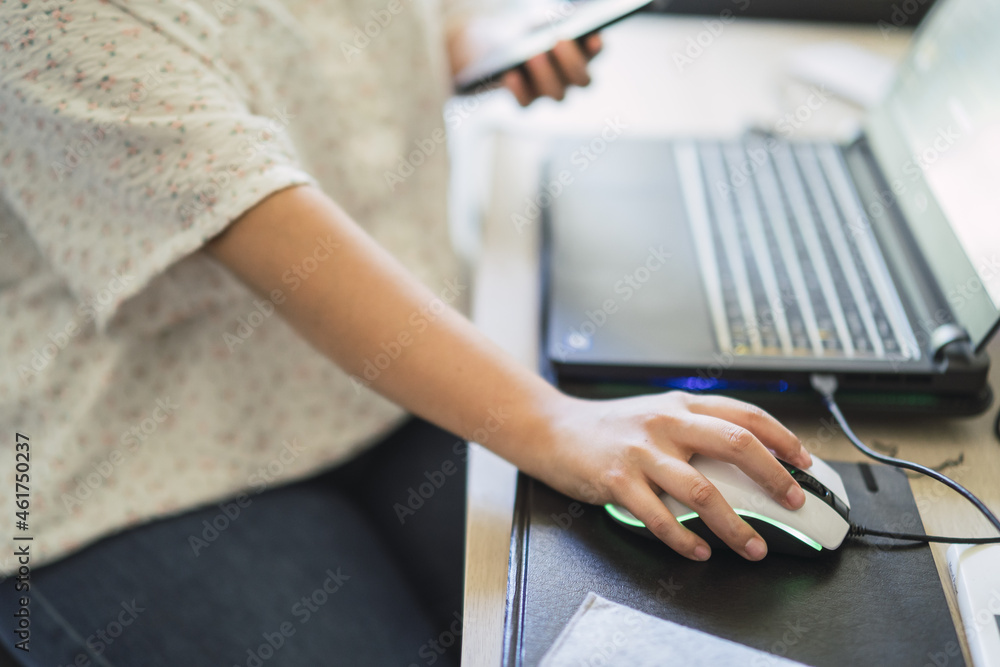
pixel 452 375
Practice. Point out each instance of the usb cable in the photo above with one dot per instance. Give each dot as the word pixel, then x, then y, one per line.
pixel 826 386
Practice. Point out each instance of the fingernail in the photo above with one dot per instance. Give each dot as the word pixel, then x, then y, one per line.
pixel 701 552
pixel 796 497
pixel 756 548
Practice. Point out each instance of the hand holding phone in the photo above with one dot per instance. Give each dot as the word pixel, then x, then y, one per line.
pixel 564 22
pixel 551 74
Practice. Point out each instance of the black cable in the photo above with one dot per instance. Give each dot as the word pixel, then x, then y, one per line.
pixel 860 531
pixel 826 385
pixel 996 426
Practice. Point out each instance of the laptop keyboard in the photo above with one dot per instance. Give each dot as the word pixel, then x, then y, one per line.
pixel 788 258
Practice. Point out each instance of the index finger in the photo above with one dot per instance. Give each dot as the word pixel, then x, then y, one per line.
pixel 734 444
pixel 766 428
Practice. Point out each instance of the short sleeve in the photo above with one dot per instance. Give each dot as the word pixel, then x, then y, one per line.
pixel 125 143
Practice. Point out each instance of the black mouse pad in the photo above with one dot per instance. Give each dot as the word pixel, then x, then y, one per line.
pixel 871 602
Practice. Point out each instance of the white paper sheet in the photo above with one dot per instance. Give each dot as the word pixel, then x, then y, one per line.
pixel 607 633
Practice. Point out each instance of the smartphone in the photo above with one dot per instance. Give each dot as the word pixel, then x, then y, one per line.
pixel 565 21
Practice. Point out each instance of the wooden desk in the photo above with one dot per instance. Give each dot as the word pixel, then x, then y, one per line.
pixel 737 81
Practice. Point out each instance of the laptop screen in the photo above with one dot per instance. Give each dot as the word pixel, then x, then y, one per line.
pixel 937 138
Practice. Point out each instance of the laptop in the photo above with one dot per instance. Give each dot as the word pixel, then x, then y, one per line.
pixel 887 14
pixel 742 266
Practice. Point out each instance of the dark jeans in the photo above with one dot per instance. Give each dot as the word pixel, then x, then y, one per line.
pixel 339 569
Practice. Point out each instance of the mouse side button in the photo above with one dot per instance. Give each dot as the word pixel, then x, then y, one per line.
pixel 829 478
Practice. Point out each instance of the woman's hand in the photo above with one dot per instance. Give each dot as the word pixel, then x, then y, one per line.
pixel 626 451
pixel 545 75
pixel 623 451
pixel 550 74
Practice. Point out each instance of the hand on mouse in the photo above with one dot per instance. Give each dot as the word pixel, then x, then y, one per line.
pixel 626 451
pixel 622 451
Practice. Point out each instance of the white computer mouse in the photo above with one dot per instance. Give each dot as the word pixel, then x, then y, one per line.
pixel 821 524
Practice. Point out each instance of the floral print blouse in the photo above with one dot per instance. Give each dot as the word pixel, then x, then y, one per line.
pixel 146 378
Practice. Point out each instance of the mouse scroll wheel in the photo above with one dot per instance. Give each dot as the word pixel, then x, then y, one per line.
pixel 789 467
pixel 810 484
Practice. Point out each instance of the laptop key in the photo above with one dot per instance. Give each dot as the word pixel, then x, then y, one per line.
pixel 777 283
pixel 883 298
pixel 823 294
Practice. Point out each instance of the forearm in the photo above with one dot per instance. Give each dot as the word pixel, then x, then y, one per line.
pixel 364 311
pixel 359 301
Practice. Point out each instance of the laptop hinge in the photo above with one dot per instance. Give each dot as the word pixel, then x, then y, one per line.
pixel 951 340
